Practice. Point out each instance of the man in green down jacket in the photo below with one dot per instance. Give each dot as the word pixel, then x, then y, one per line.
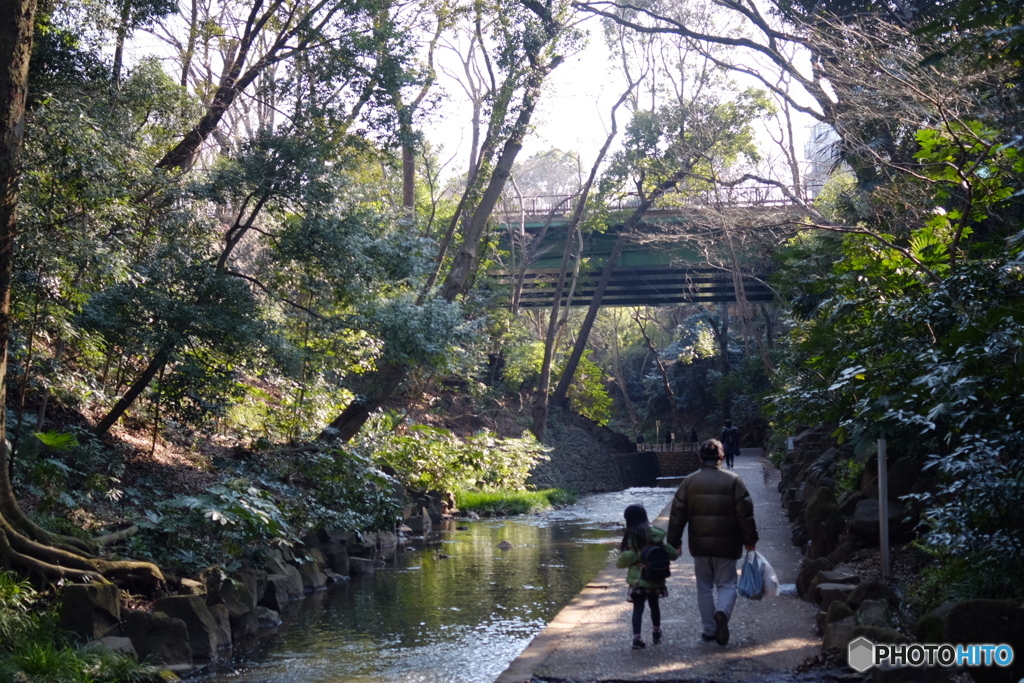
pixel 717 506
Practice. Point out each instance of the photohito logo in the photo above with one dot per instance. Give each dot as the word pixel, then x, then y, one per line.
pixel 863 654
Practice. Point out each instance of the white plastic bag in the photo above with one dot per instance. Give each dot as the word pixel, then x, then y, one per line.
pixel 769 578
pixel 751 584
pixel 758 578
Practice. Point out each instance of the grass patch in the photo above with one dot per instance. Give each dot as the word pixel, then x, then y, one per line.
pixel 512 502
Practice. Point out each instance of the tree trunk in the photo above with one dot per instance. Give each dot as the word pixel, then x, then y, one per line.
pixel 122 35
pixel 562 390
pixel 676 425
pixel 24 547
pixel 386 379
pixel 540 404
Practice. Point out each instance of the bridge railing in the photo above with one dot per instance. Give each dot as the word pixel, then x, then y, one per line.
pixel 738 196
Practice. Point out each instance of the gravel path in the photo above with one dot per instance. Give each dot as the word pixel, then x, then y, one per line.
pixel 590 639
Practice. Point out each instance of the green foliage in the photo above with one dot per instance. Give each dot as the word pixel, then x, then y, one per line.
pixel 847 475
pixel 587 394
pixel 699 137
pixel 435 459
pixel 66 470
pixel 511 502
pixel 235 518
pixel 934 370
pixel 33 649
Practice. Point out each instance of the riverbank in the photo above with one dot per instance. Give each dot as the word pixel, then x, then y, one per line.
pixel 590 639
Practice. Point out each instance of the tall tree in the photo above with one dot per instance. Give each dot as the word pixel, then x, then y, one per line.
pixel 530 56
pixel 24 546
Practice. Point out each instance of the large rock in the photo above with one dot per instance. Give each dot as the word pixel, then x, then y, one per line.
pixel 826 593
pixel 121 645
pixel 903 474
pixel 255 580
pixel 268 617
pixel 89 610
pixel 874 613
pixel 337 557
pixel 824 522
pixel 418 524
pixel 204 635
pixel 929 627
pixel 278 566
pixel 278 593
pixel 241 606
pixel 223 620
pixel 807 574
pixel 864 523
pixel 838 634
pixel 312 578
pixel 831 576
pixel 159 636
pixel 848 502
pixel 361 566
pixel 873 590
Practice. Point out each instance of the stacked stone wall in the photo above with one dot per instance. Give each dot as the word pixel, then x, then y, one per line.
pixel 678 463
pixel 578 462
pixel 638 468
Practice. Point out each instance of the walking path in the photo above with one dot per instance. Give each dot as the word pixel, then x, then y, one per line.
pixel 590 639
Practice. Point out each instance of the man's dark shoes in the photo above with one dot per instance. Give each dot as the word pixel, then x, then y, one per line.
pixel 706 638
pixel 638 644
pixel 656 636
pixel 721 628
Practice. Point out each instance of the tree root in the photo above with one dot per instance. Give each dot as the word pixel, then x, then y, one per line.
pixel 50 564
pixel 48 558
pixel 115 536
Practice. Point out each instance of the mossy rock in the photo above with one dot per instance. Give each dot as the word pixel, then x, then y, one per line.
pixel 877 634
pixel 837 611
pixel 928 628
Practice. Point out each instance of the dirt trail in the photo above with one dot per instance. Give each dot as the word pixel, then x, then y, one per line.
pixel 590 639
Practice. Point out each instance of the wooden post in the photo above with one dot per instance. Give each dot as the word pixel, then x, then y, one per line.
pixel 883 507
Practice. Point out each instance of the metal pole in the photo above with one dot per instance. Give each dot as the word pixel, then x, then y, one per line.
pixel 883 506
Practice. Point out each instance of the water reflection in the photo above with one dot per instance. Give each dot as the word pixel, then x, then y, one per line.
pixel 454 608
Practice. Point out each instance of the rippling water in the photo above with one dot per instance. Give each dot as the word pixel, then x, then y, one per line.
pixel 452 608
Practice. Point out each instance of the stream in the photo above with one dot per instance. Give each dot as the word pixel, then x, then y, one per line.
pixel 450 607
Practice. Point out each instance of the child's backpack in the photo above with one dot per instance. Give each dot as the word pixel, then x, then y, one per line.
pixel 654 563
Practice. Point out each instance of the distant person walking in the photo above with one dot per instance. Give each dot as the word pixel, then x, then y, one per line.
pixel 693 435
pixel 716 505
pixel 643 589
pixel 669 438
pixel 731 443
pixel 639 442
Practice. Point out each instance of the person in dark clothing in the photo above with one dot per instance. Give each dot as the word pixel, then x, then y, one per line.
pixel 693 435
pixel 640 533
pixel 639 442
pixel 731 443
pixel 669 438
pixel 718 509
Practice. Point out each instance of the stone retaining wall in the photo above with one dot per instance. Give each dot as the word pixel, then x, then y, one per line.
pixel 678 463
pixel 578 462
pixel 638 469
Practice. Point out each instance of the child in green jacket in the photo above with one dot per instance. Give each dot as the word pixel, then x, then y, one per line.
pixel 639 534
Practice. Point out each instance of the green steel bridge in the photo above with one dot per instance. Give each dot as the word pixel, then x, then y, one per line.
pixel 678 254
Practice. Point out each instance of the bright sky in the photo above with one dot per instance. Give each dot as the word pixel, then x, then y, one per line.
pixel 574 114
